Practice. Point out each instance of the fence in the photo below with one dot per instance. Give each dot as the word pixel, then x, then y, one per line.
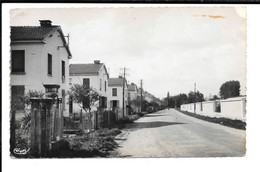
pixel 89 121
pixel 232 108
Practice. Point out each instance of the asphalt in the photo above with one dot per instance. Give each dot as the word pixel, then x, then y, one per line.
pixel 170 133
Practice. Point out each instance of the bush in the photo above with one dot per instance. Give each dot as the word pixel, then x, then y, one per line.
pixel 97 143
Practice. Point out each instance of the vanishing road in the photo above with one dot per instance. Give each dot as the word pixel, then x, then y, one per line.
pixel 170 133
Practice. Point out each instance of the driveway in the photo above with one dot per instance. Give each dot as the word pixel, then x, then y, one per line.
pixel 170 133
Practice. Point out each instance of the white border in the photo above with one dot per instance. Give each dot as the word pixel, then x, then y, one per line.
pixel 171 164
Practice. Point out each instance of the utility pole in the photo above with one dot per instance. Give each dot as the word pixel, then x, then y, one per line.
pixel 124 93
pixel 195 97
pixel 124 81
pixel 141 94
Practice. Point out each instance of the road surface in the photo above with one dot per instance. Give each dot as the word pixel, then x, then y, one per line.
pixel 170 133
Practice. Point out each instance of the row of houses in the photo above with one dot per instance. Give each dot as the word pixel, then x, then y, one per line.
pixel 116 93
pixel 40 55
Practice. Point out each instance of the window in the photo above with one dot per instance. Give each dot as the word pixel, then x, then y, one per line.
pixel 105 86
pixel 100 84
pixel 49 64
pixel 201 106
pixel 18 61
pixel 86 82
pixel 71 105
pixel 17 91
pixel 63 98
pixel 103 102
pixel 114 92
pixel 63 70
pixel 70 81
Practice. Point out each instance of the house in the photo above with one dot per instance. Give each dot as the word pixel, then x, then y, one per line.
pixel 147 96
pixel 133 97
pixel 132 91
pixel 117 95
pixel 93 75
pixel 39 55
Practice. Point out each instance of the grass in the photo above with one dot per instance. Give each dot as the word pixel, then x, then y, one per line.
pixel 223 121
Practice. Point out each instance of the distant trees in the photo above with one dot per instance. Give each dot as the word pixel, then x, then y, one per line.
pixel 215 97
pixel 197 97
pixel 230 89
pixel 178 100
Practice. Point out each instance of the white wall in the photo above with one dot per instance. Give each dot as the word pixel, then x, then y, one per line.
pixel 94 82
pixel 233 108
pixel 36 61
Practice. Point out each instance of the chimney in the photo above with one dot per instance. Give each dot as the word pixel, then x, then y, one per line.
pixel 45 23
pixel 97 61
pixel 132 83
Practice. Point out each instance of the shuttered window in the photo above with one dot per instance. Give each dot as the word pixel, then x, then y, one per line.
pixel 114 92
pixel 103 102
pixel 63 70
pixel 86 82
pixel 71 105
pixel 49 64
pixel 18 61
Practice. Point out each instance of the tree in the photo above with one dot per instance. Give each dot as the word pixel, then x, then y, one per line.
pixel 85 97
pixel 177 100
pixel 230 89
pixel 197 97
pixel 215 97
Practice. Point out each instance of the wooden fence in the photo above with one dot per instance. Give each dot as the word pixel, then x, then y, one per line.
pixel 86 122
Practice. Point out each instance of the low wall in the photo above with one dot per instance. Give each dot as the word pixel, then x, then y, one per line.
pixel 232 108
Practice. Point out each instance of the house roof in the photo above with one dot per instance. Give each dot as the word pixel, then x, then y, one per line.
pixel 30 32
pixel 26 33
pixel 82 69
pixel 115 82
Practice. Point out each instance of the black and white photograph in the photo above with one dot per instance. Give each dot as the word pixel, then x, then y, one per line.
pixel 140 82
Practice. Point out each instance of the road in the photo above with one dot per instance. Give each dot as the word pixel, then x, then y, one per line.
pixel 170 133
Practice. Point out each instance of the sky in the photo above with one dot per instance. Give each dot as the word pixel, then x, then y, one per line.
pixel 170 49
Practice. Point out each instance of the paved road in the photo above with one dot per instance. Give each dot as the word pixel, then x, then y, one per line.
pixel 169 133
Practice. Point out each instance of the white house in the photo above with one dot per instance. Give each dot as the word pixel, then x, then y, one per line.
pixel 93 75
pixel 117 95
pixel 39 55
pixel 132 91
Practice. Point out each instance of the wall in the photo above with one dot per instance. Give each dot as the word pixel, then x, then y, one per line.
pixel 94 83
pixel 232 108
pixel 36 65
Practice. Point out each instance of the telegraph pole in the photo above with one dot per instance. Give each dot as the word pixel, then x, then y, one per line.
pixel 141 94
pixel 124 92
pixel 195 97
pixel 124 81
